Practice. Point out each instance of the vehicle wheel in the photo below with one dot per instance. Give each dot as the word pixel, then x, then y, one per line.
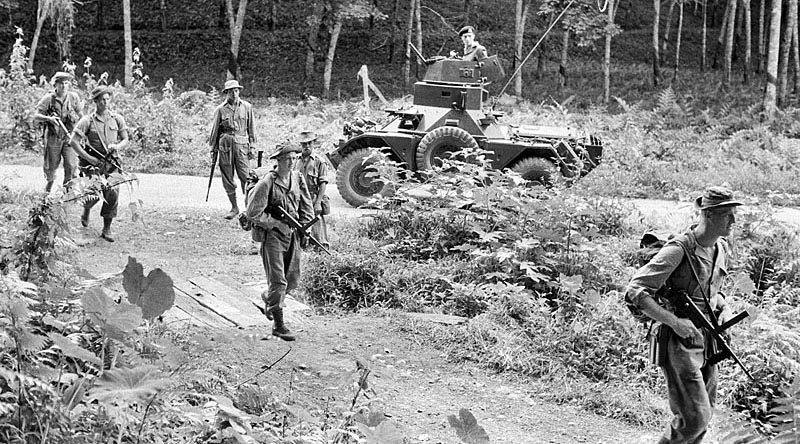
pixel 356 181
pixel 538 170
pixel 439 142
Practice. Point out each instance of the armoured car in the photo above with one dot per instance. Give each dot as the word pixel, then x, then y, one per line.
pixel 449 113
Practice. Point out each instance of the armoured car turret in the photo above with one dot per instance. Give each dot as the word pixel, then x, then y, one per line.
pixel 449 113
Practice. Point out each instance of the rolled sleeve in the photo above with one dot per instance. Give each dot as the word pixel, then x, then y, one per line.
pixel 82 127
pixel 653 275
pixel 250 125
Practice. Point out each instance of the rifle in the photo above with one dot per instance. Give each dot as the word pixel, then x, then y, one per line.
pixel 214 156
pixel 107 158
pixel 304 229
pixel 62 126
pixel 696 315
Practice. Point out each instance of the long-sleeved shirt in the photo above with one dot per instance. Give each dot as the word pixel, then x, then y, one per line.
pixel 476 52
pixel 270 192
pixel 668 268
pixel 233 119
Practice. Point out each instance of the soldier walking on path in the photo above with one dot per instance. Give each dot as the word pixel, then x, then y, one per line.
pixel 59 105
pixel 231 140
pixel 280 244
pixel 104 134
pixel 315 172
pixel 695 263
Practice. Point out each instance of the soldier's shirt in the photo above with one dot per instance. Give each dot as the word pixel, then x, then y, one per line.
pixel 66 108
pixel 101 131
pixel 475 52
pixel 234 119
pixel 270 191
pixel 315 172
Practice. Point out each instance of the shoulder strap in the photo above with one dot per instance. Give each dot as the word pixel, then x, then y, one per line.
pixel 703 291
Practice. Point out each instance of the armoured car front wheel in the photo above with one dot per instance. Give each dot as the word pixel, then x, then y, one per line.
pixel 439 143
pixel 538 170
pixel 356 178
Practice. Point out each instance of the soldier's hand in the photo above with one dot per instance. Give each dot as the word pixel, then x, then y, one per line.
pixel 317 207
pixel 453 54
pixel 112 149
pixel 304 242
pixel 686 329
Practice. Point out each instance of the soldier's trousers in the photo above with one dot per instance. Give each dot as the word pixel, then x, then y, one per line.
pixel 110 196
pixel 233 159
pixel 56 149
pixel 280 254
pixel 692 388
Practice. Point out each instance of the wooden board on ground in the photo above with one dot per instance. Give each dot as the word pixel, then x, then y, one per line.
pixel 206 302
pixel 294 311
pixel 438 318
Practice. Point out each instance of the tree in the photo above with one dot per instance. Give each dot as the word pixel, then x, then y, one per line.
pixel 521 12
pixel 611 31
pixel 60 11
pixel 761 54
pixel 728 58
pixel 770 93
pixel 562 65
pixel 126 14
pixel 342 11
pixel 656 57
pixel 235 25
pixel 704 37
pixel 748 41
pixel 678 40
pixel 667 26
pixel 314 21
pixel 409 31
pixel 786 45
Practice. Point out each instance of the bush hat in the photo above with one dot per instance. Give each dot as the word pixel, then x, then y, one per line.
pixel 307 136
pixel 230 84
pixel 100 90
pixel 716 197
pixel 465 30
pixel 59 76
pixel 285 148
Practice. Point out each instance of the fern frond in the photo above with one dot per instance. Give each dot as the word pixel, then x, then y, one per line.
pixel 31 342
pixel 666 100
pixel 13 378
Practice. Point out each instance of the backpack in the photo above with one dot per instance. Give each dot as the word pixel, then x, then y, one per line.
pixel 649 245
pixel 252 180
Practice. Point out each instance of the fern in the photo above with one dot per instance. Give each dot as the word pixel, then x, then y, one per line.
pixel 667 101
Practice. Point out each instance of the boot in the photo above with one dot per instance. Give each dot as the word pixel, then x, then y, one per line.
pixel 278 329
pixel 48 186
pixel 234 207
pixel 85 217
pixel 106 233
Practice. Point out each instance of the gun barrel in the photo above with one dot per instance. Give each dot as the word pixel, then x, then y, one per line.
pixel 294 223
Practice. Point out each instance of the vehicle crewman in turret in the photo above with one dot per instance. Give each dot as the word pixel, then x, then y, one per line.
pixel 473 51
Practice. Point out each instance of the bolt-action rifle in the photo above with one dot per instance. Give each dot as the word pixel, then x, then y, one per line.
pixel 697 317
pixel 305 230
pixel 214 156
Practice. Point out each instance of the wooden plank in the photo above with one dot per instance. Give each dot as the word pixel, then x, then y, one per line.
pixel 208 301
pixel 293 311
pixel 202 315
pixel 248 314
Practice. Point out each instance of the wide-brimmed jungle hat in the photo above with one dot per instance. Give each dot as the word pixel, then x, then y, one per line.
pixel 230 84
pixel 716 197
pixel 59 76
pixel 285 148
pixel 307 136
pixel 100 90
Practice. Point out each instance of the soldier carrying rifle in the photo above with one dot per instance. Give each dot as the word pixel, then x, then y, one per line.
pixel 58 110
pixel 691 268
pixel 277 201
pixel 104 134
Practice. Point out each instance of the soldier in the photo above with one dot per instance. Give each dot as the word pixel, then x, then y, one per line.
pixel 97 138
pixel 64 105
pixel 280 244
pixel 472 49
pixel 315 172
pixel 691 380
pixel 232 136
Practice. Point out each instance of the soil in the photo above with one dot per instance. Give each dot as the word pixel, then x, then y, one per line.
pixel 419 388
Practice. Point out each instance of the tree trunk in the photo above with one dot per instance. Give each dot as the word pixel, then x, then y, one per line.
pixel 786 46
pixel 521 13
pixel 666 30
pixel 731 27
pixel 314 22
pixel 761 27
pixel 409 33
pixel 38 32
pixel 235 25
pixel 418 19
pixel 99 20
pixel 704 37
pixel 722 33
pixel 395 29
pixel 467 11
pixel 770 93
pixel 796 56
pixel 337 29
pixel 126 20
pixel 678 40
pixel 748 41
pixel 656 58
pixel 607 59
pixel 163 15
pixel 562 67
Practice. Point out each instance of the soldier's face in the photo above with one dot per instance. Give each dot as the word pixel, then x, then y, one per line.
pixel 233 95
pixel 467 38
pixel 102 102
pixel 306 148
pixel 287 161
pixel 722 220
pixel 61 86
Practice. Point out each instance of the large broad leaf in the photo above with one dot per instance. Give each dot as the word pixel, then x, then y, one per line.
pixel 72 350
pixel 387 432
pixel 116 320
pixel 154 293
pixel 467 428
pixel 128 385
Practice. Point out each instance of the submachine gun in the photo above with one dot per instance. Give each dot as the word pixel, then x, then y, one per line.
pixel 686 304
pixel 305 230
pixel 110 164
